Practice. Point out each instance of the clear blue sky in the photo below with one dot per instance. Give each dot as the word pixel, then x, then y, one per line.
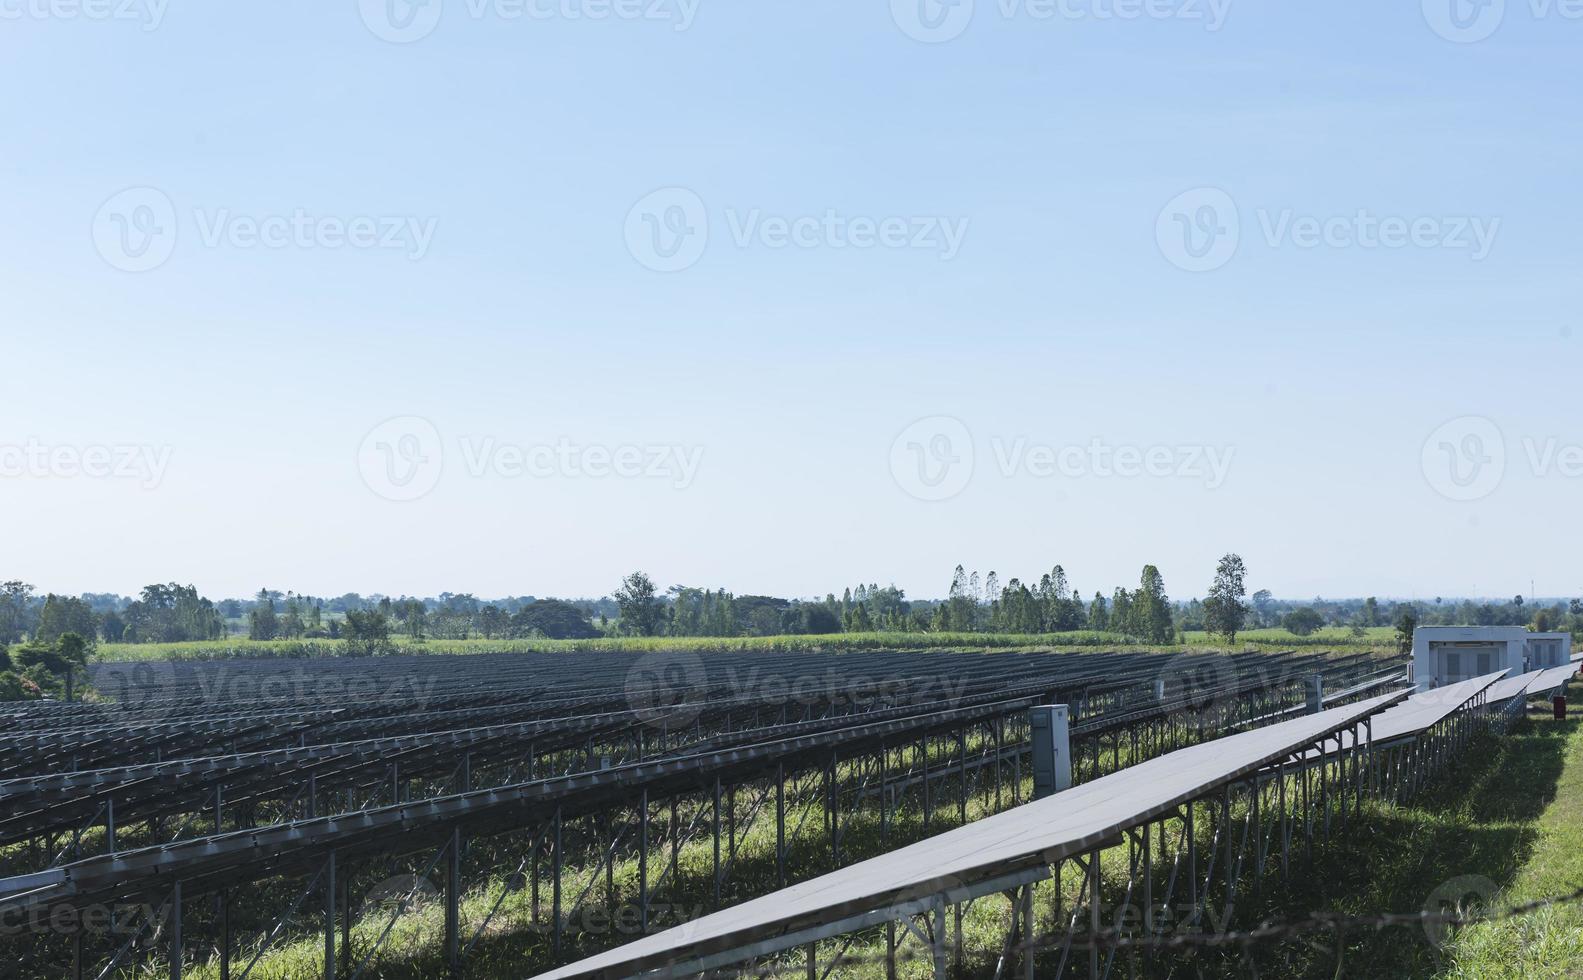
pixel 503 160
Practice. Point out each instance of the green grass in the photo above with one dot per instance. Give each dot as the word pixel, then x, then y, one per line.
pixel 1541 796
pixel 1374 636
pixel 1504 822
pixel 830 643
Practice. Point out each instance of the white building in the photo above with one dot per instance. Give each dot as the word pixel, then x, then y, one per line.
pixel 1446 654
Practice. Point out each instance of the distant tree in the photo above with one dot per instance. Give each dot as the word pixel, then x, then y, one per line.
pixel 47 663
pixel 963 606
pixel 16 599
pixel 1370 615
pixel 65 614
pixel 1406 625
pixel 1098 613
pixel 73 649
pixel 493 621
pixel 1517 601
pixel 172 613
pixel 819 619
pixel 262 622
pixel 291 623
pixel 1224 611
pixel 553 619
pixel 12 688
pixel 112 626
pixel 1152 607
pixel 414 616
pixel 367 633
pixel 1302 622
pixel 1263 602
pixel 641 610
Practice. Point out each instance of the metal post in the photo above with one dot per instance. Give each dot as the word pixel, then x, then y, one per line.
pixel 780 822
pixel 225 934
pixel 1029 939
pixel 938 938
pixel 961 742
pixel 556 868
pixel 715 824
pixel 175 931
pixel 453 902
pixel 329 917
pixel 890 950
pixel 1093 914
pixel 643 862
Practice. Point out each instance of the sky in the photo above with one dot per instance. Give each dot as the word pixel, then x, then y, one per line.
pixel 516 296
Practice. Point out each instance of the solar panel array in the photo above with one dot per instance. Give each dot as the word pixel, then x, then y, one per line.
pixel 252 769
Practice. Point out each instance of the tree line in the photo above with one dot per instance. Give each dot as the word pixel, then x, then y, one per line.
pixel 1048 604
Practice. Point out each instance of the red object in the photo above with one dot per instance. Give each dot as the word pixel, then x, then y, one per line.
pixel 1559 702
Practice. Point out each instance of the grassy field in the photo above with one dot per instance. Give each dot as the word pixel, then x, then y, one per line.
pixel 1535 794
pixel 832 643
pixel 1501 827
pixel 1506 822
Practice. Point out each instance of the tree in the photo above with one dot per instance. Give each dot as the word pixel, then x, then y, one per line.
pixel 493 621
pixel 65 614
pixel 1098 614
pixel 1371 612
pixel 45 662
pixel 1152 607
pixel 641 611
pixel 172 614
pixel 73 649
pixel 1405 627
pixel 262 623
pixel 554 619
pixel 1262 601
pixel 367 633
pixel 16 600
pixel 1224 611
pixel 1302 622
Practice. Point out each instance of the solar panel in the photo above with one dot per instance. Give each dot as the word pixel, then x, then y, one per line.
pixel 1550 680
pixel 1425 709
pixel 1036 833
pixel 1510 687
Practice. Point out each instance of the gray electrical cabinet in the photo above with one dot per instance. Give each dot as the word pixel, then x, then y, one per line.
pixel 1052 750
pixel 1316 694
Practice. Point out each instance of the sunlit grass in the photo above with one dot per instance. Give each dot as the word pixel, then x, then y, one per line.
pixel 827 643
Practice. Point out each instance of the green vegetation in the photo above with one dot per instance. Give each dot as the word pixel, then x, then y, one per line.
pixel 977 612
pixel 831 643
pixel 1535 796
